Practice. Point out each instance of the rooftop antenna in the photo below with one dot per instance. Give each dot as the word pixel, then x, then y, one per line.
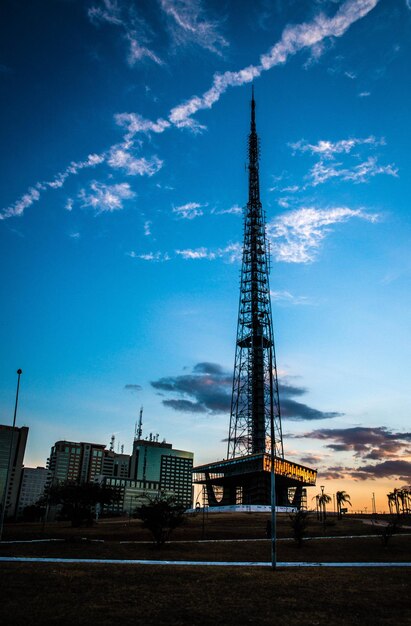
pixel 139 428
pixel 112 440
pixel 122 448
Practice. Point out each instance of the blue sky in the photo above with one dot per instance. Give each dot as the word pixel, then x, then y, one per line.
pixel 124 128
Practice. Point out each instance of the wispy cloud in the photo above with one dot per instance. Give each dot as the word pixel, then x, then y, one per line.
pixel 294 39
pixel 232 252
pixel 189 24
pixel 364 94
pixel 285 297
pixel 134 29
pixel 327 149
pixel 69 204
pixel 135 123
pixel 361 173
pixel 326 168
pixel 196 253
pixel 147 228
pixel 189 211
pixel 106 198
pixel 234 210
pixel 33 194
pixel 122 158
pixel 149 256
pixel 297 236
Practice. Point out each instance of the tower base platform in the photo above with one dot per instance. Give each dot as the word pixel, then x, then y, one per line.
pixel 246 480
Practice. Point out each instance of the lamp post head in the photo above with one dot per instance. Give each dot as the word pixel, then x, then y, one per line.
pixel 19 372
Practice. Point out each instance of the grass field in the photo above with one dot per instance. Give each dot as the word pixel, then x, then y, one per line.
pixel 140 594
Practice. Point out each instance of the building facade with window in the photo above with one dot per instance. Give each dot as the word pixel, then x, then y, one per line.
pixel 158 462
pixel 15 439
pixel 76 461
pixel 34 480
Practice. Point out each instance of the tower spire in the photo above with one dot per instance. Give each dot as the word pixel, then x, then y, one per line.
pixel 255 401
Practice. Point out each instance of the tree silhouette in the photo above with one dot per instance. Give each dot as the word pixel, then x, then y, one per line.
pixel 400 500
pixel 342 497
pixel 161 514
pixel 78 500
pixel 299 523
pixel 323 500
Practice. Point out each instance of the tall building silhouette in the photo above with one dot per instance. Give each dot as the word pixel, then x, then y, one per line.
pixel 16 439
pixel 255 420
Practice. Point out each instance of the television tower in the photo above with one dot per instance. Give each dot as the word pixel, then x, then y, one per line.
pixel 255 406
pixel 255 469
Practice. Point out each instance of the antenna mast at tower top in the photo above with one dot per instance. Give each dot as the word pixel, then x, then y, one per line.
pixel 138 434
pixel 255 402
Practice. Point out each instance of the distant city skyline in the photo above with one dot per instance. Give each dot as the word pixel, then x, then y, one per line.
pixel 121 223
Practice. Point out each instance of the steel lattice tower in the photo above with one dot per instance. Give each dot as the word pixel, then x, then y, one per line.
pixel 255 406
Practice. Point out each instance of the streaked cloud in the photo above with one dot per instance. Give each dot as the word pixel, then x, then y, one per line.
pixel 234 210
pixel 197 253
pixel 189 211
pixel 374 443
pixel 296 236
pixel 399 468
pixel 327 149
pixel 232 252
pixel 135 31
pixel 33 194
pixel 189 24
pixel 208 388
pixel 135 123
pixel 122 158
pixel 105 198
pixel 157 257
pixel 294 39
pixel 361 173
pixel 133 388
pixel 69 204
pixel 285 297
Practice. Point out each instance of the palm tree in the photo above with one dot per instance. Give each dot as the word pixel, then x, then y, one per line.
pixel 323 500
pixel 342 497
pixel 396 501
pixel 391 500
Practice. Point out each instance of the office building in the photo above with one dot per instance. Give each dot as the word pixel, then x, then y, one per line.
pixel 16 439
pixel 33 483
pixel 76 461
pixel 158 463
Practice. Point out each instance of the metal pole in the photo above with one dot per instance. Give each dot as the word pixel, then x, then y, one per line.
pixel 203 524
pixel 272 455
pixel 4 499
pixel 273 513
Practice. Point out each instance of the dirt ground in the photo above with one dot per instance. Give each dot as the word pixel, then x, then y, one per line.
pixel 110 594
pixel 211 526
pixel 54 593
